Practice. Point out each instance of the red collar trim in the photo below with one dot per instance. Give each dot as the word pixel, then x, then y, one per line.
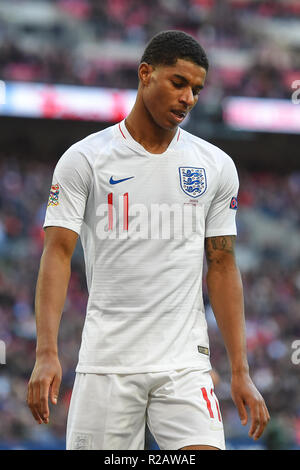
pixel 121 130
pixel 125 137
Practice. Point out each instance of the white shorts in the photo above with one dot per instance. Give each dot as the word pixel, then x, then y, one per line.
pixel 110 411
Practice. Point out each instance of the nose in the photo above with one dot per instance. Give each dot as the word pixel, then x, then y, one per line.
pixel 187 97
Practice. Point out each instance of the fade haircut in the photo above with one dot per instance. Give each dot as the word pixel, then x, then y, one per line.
pixel 168 46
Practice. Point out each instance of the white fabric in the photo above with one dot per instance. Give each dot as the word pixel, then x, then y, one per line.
pixel 145 311
pixel 110 411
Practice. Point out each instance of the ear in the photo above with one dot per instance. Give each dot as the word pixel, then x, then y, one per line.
pixel 144 72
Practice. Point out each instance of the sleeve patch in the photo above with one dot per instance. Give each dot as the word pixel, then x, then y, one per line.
pixel 53 197
pixel 233 203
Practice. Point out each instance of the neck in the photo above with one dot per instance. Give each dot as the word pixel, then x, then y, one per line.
pixel 145 131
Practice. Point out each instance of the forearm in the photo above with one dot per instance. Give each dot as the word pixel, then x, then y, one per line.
pixel 226 297
pixel 51 290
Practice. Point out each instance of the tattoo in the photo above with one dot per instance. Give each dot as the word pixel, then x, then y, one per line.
pixel 222 243
pixel 217 247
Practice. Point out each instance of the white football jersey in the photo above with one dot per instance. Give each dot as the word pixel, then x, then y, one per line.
pixel 142 219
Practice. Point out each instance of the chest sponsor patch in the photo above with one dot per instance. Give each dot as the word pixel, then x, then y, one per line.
pixel 193 180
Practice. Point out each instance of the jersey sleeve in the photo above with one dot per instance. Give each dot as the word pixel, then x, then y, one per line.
pixel 221 216
pixel 69 191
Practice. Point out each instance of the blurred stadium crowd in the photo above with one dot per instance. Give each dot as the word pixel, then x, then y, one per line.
pixel 269 258
pixel 253 48
pixel 253 44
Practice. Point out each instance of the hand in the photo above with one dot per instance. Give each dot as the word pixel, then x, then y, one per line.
pixel 245 394
pixel 45 378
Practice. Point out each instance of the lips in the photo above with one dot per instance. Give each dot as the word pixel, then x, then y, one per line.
pixel 178 114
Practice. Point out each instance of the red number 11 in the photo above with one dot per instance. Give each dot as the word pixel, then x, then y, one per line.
pixel 110 211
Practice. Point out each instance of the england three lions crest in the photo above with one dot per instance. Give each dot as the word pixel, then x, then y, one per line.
pixel 192 180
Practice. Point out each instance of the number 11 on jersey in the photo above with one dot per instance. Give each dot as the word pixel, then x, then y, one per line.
pixel 111 212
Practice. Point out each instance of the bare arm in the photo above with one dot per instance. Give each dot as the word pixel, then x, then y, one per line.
pixel 51 290
pixel 226 297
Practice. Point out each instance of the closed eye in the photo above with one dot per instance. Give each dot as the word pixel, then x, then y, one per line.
pixel 177 85
pixel 195 91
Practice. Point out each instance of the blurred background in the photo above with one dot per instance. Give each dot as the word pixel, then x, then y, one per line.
pixel 69 68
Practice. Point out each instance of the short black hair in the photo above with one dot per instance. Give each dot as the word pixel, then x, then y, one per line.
pixel 168 46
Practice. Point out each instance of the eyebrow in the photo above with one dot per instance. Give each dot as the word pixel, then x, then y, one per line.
pixel 185 80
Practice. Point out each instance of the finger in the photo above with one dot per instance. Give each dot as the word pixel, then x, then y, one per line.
pixel 44 394
pixel 242 412
pixel 260 426
pixel 54 390
pixel 30 403
pixel 36 402
pixel 267 412
pixel 264 419
pixel 255 418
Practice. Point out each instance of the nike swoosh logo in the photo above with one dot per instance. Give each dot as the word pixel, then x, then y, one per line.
pixel 112 181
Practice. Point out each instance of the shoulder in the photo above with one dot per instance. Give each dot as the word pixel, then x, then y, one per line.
pixel 101 137
pixel 215 155
pixel 90 147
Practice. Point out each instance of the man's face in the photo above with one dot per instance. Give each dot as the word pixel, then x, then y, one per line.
pixel 170 92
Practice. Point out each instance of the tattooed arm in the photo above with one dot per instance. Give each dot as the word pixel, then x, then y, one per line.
pixel 225 290
pixel 226 297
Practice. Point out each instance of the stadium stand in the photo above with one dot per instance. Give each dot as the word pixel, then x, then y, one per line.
pixel 99 43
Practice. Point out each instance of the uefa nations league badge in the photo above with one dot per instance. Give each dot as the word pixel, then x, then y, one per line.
pixel 192 180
